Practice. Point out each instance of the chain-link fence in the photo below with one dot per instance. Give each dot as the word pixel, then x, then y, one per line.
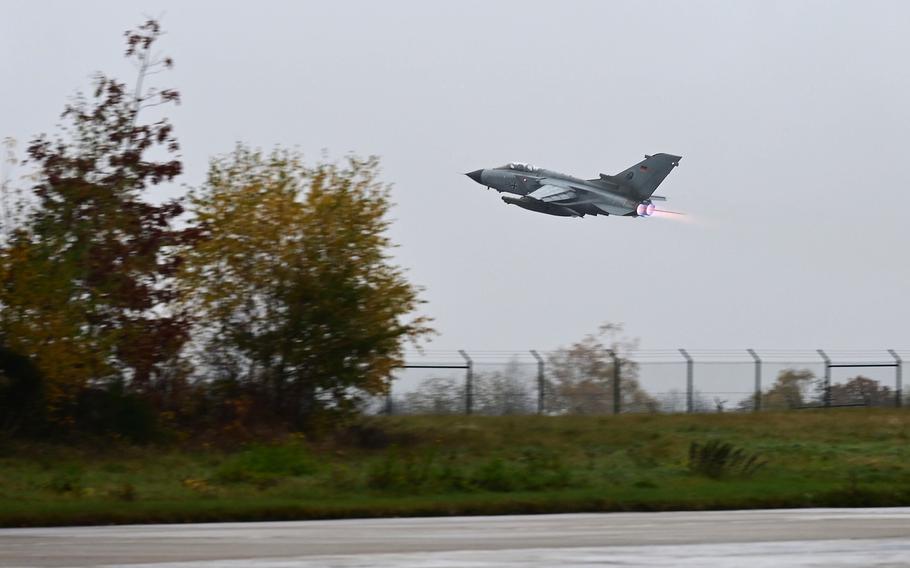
pixel 605 382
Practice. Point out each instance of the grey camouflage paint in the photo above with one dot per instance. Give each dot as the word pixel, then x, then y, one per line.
pixel 629 193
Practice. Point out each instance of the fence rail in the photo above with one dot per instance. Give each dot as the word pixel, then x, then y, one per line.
pixel 681 380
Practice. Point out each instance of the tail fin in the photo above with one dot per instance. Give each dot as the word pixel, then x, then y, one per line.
pixel 644 177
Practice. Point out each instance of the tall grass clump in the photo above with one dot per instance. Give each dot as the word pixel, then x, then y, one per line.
pixel 716 459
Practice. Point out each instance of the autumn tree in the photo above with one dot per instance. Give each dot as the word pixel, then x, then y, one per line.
pixel 581 375
pixel 859 390
pixel 86 280
pixel 292 284
pixel 789 390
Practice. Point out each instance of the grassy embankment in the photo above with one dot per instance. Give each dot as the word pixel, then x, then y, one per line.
pixel 479 465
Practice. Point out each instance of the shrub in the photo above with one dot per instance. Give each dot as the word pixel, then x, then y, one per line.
pixel 125 492
pixel 69 480
pixel 545 469
pixel 532 470
pixel 716 459
pixel 499 475
pixel 22 404
pixel 264 465
pixel 111 409
pixel 396 471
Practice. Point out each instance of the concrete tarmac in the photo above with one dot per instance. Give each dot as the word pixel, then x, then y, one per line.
pixel 860 537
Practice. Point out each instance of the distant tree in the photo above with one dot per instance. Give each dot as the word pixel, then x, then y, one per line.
pixel 497 393
pixel 746 404
pixel 504 392
pixel 859 390
pixel 292 285
pixel 436 395
pixel 789 390
pixel 581 376
pixel 86 279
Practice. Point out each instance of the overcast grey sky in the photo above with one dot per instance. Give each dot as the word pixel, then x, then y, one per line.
pixel 792 119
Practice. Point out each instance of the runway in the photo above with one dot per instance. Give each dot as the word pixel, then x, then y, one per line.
pixel 763 538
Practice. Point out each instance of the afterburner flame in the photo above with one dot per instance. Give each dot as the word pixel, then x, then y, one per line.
pixel 673 215
pixel 645 209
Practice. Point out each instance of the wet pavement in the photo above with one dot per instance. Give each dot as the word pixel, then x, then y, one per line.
pixel 798 537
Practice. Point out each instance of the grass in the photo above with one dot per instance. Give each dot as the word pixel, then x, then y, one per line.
pixel 403 466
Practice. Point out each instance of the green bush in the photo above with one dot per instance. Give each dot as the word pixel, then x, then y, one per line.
pixel 22 402
pixel 531 470
pixel 112 409
pixel 716 459
pixel 546 469
pixel 67 480
pixel 409 472
pixel 264 465
pixel 500 475
pixel 125 492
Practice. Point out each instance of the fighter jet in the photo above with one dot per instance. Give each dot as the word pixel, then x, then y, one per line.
pixel 629 193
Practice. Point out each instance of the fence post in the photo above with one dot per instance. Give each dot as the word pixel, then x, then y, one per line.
pixel 541 384
pixel 690 382
pixel 827 361
pixel 756 405
pixel 898 379
pixel 617 393
pixel 468 384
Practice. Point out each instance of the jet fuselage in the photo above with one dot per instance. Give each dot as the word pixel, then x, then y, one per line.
pixel 546 191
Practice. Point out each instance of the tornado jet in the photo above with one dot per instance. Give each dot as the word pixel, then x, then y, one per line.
pixel 630 193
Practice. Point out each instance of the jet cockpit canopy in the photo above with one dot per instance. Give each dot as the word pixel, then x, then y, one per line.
pixel 519 167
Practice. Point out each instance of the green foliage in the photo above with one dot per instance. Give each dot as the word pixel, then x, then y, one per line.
pixel 125 492
pixel 716 459
pixel 112 409
pixel 477 465
pixel 652 451
pixel 281 291
pixel 22 407
pixel 86 287
pixel 68 480
pixel 265 464
pixel 293 286
pixel 546 468
pixel 531 470
pixel 398 472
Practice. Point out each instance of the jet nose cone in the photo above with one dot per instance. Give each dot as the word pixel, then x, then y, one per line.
pixel 475 175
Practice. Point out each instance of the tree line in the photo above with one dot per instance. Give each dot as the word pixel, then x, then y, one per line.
pixel 579 379
pixel 513 391
pixel 265 296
